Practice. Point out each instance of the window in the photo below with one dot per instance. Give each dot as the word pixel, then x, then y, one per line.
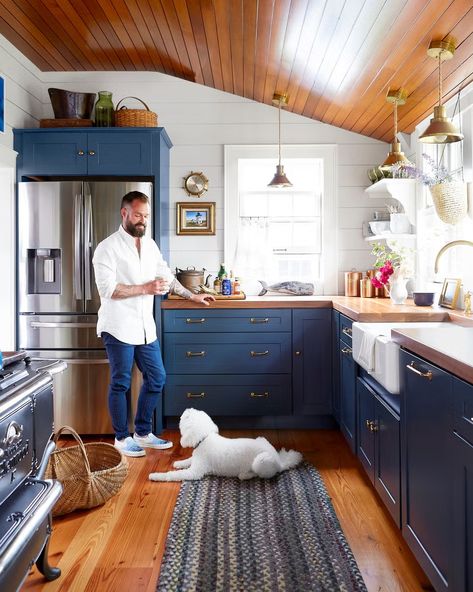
pixel 281 234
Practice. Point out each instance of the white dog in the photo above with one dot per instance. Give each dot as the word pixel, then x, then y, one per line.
pixel 226 457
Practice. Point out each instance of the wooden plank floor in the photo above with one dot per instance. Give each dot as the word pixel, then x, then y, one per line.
pixel 119 546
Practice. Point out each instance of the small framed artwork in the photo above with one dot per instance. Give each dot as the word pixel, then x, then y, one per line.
pixel 450 292
pixel 2 104
pixel 195 218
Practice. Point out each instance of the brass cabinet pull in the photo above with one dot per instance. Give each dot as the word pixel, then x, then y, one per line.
pixel 256 320
pixel 91 152
pixel 427 374
pixel 264 353
pixel 346 331
pixel 346 350
pixel 190 321
pixel 371 425
pixel 191 354
pixel 258 395
pixel 80 153
pixel 195 395
pixel 298 353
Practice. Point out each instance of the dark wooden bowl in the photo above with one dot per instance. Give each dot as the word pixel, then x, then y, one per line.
pixel 71 105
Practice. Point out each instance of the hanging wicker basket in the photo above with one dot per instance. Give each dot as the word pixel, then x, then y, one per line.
pixel 450 201
pixel 90 474
pixel 125 117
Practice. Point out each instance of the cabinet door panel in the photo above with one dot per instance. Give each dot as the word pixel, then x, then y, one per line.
pixel 54 153
pixel 387 475
pixel 348 395
pixel 427 468
pixel 119 153
pixel 335 366
pixel 259 320
pixel 311 361
pixel 366 426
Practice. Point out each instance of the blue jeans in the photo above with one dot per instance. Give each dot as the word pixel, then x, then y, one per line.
pixel 148 359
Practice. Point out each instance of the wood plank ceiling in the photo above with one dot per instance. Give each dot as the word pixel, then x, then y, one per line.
pixel 335 58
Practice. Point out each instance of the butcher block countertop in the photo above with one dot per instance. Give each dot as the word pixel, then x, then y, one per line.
pixel 369 310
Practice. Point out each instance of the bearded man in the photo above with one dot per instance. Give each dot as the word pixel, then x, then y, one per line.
pixel 129 272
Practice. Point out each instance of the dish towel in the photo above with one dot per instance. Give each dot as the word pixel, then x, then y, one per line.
pixel 367 347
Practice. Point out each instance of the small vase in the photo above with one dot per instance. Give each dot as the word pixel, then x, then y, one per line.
pixel 104 112
pixel 399 224
pixel 398 290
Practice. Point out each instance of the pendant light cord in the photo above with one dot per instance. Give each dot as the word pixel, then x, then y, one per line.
pixel 395 121
pixel 279 127
pixel 440 79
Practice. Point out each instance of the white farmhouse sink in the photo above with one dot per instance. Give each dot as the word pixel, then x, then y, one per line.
pixel 374 350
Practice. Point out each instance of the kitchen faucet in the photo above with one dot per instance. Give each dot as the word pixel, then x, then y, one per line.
pixel 454 243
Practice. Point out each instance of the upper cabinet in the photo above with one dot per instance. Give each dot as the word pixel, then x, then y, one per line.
pixel 95 151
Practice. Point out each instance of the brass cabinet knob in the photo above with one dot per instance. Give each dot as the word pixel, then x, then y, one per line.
pixel 91 152
pixel 80 153
pixel 298 353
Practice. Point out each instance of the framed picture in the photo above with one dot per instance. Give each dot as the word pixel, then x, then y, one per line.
pixel 450 292
pixel 195 218
pixel 2 104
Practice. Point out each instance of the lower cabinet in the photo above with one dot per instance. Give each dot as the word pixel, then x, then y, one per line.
pixel 347 383
pixel 379 446
pixel 426 461
pixel 335 365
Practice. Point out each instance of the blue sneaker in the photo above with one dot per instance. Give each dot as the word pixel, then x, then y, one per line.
pixel 151 441
pixel 129 447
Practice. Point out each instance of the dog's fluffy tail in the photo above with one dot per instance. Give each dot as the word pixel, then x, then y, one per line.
pixel 289 458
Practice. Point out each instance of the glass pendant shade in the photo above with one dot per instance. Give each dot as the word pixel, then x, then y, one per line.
pixel 441 130
pixel 279 180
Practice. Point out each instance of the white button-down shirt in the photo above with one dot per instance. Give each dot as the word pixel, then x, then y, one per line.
pixel 117 261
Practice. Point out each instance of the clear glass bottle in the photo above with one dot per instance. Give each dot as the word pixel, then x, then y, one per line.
pixel 104 111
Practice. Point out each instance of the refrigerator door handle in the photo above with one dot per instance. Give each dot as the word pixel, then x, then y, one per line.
pixel 85 362
pixel 41 324
pixel 87 242
pixel 77 277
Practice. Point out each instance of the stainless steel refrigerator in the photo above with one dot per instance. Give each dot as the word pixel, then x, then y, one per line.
pixel 59 225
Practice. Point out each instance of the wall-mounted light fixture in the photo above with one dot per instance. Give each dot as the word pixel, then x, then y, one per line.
pixel 395 156
pixel 280 180
pixel 441 130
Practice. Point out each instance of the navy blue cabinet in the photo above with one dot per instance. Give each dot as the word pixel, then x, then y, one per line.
pixel 379 443
pixel 347 383
pixel 426 461
pixel 335 366
pixel 462 455
pixel 311 372
pixel 96 151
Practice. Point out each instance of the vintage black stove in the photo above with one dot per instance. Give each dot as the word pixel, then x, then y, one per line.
pixel 26 499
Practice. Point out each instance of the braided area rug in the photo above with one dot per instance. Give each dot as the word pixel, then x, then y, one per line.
pixel 260 535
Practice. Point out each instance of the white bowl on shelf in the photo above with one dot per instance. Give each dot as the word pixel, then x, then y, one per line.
pixel 379 226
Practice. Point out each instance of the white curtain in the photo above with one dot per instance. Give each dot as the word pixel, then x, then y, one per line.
pixel 254 255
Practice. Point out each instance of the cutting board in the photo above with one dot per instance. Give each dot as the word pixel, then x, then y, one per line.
pixel 241 296
pixel 66 122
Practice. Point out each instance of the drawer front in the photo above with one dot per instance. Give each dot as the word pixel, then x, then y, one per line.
pixel 220 353
pixel 345 329
pixel 260 320
pixel 463 409
pixel 229 395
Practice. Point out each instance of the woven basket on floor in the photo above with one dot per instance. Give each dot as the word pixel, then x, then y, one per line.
pixel 450 201
pixel 125 117
pixel 89 473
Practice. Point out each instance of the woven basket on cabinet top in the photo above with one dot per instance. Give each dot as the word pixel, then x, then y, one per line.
pixel 90 474
pixel 125 117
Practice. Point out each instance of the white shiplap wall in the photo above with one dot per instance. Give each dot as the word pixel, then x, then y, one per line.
pixel 201 121
pixel 23 107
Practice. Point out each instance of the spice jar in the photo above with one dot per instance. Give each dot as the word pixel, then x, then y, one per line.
pixel 352 283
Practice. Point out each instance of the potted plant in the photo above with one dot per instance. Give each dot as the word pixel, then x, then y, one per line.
pixel 448 194
pixel 393 265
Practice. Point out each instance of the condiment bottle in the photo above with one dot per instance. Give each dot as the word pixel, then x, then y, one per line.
pixel 226 287
pixel 218 285
pixel 236 286
pixel 222 273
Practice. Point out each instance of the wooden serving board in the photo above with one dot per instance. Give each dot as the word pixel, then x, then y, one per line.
pixel 66 122
pixel 241 296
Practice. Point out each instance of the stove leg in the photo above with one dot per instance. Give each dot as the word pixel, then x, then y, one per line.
pixel 42 563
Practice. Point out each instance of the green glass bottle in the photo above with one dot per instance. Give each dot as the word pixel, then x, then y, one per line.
pixel 104 112
pixel 222 272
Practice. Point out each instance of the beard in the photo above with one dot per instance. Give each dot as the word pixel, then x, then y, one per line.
pixel 137 230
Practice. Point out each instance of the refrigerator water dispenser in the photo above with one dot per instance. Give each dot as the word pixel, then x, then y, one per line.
pixel 44 271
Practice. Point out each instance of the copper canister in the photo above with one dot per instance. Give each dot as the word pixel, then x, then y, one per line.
pixel 366 288
pixel 352 283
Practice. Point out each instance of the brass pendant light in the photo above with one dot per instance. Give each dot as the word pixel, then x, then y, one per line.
pixel 395 156
pixel 441 130
pixel 280 180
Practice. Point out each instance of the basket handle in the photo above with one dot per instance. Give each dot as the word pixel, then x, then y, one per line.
pixel 78 440
pixel 118 104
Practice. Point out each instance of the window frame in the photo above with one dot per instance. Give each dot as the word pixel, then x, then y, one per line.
pixel 329 239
